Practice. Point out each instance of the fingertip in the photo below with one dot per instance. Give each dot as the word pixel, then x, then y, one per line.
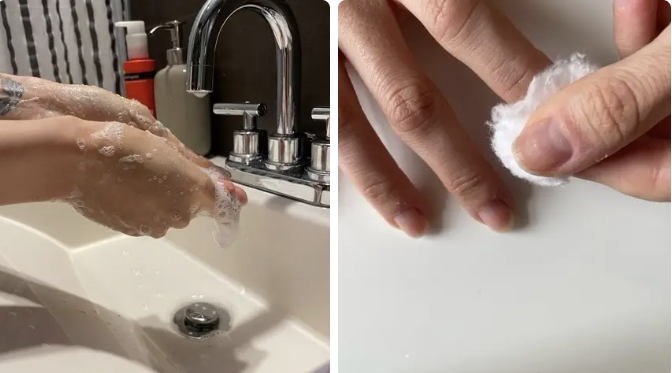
pixel 497 215
pixel 412 222
pixel 241 195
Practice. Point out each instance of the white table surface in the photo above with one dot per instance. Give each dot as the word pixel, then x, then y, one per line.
pixel 583 287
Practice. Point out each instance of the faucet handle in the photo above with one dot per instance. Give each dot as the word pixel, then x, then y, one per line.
pixel 321 114
pixel 320 150
pixel 246 142
pixel 248 111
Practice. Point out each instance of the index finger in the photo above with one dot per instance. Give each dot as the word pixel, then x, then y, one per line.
pixel 481 37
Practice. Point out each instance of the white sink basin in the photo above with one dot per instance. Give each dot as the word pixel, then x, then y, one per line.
pixel 76 297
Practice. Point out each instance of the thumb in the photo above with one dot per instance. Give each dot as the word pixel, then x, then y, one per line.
pixel 598 115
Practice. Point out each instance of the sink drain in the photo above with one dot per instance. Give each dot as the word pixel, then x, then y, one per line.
pixel 201 320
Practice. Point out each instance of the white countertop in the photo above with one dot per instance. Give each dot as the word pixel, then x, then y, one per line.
pixel 584 286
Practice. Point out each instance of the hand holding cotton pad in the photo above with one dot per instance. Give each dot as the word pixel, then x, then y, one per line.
pixel 508 120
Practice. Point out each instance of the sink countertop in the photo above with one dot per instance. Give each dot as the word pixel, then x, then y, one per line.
pixel 583 286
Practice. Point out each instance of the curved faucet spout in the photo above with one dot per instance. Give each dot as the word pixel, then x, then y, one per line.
pixel 203 40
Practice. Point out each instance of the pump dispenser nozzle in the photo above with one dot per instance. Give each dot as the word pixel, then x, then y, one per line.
pixel 174 55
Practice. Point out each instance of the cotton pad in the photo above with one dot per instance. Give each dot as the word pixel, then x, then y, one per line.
pixel 508 120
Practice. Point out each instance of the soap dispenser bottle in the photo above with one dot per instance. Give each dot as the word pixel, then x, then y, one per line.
pixel 187 116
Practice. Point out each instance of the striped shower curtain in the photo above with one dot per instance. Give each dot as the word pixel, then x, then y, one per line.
pixel 68 41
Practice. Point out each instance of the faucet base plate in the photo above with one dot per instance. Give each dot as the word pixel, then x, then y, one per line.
pixel 291 185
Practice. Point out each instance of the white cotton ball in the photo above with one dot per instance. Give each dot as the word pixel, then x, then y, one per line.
pixel 508 120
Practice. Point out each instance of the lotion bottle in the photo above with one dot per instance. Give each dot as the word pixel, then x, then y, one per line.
pixel 139 69
pixel 187 116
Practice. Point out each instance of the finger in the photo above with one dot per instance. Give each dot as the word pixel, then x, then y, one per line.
pixel 634 24
pixel 598 115
pixel 485 40
pixel 417 112
pixel 159 232
pixel 641 170
pixel 239 193
pixel 364 159
pixel 663 14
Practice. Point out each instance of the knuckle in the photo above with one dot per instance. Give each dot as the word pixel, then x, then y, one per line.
pixel 612 111
pixel 451 20
pixel 379 191
pixel 511 78
pixel 411 107
pixel 469 187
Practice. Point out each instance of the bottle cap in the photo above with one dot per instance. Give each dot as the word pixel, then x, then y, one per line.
pixel 136 39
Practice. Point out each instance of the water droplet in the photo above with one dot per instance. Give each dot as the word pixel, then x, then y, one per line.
pixel 407 356
pixel 137 273
pixel 126 253
pixel 13 314
pixel 145 307
pixel 82 311
pixel 157 272
pixel 242 291
pixel 31 327
pixel 141 286
pixel 159 295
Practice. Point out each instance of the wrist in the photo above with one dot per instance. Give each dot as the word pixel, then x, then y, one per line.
pixel 40 158
pixel 66 142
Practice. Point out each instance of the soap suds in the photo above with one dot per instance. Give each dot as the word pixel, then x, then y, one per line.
pixel 508 120
pixel 227 211
pixel 133 158
pixel 107 151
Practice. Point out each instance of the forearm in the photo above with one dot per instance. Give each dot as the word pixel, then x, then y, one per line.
pixel 28 98
pixel 38 159
pixel 24 98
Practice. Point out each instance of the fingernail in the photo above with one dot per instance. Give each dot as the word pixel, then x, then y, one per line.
pixel 543 147
pixel 411 222
pixel 497 215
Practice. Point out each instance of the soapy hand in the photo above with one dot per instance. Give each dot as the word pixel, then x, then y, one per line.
pixel 370 39
pixel 140 184
pixel 41 98
pixel 613 127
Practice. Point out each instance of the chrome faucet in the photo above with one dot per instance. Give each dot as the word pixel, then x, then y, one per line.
pixel 276 163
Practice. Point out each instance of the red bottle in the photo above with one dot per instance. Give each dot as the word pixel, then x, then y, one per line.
pixel 139 70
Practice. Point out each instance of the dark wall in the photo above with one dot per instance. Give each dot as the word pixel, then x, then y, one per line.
pixel 245 60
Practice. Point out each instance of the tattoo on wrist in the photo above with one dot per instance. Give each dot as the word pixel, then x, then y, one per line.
pixel 11 93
